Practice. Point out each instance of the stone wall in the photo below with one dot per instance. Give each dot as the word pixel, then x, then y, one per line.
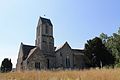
pixel 79 61
pixel 36 57
pixel 61 56
pixel 20 59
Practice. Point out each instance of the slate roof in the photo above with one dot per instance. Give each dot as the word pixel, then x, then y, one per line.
pixel 26 49
pixel 45 20
pixel 78 50
pixel 31 52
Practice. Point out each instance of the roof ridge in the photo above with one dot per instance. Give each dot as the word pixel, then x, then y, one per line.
pixel 27 45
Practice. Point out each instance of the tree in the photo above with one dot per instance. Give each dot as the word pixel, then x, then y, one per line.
pixel 6 65
pixel 113 44
pixel 103 37
pixel 97 53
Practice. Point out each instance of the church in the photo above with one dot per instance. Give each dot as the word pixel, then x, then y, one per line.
pixel 44 55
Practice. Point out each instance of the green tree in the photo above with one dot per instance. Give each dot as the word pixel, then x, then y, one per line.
pixel 103 37
pixel 6 65
pixel 97 53
pixel 113 44
pixel 119 31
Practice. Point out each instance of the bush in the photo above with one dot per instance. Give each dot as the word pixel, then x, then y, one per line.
pixel 6 65
pixel 117 65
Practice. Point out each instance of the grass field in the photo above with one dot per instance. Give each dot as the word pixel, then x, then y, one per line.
pixel 92 74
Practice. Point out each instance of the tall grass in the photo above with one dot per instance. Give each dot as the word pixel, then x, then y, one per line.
pixel 92 74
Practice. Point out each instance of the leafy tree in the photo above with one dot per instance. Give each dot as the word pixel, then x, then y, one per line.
pixel 97 53
pixel 6 65
pixel 119 31
pixel 113 44
pixel 103 37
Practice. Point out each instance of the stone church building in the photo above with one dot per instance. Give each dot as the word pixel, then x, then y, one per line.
pixel 44 55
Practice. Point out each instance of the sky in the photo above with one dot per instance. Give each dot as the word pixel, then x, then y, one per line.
pixel 74 21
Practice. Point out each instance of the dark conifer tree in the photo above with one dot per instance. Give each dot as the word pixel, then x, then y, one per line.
pixel 6 65
pixel 98 54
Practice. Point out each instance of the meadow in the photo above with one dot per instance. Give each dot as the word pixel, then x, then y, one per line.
pixel 92 74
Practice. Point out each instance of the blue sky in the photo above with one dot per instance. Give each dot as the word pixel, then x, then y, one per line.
pixel 75 21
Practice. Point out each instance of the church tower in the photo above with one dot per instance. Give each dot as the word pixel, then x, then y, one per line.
pixel 44 35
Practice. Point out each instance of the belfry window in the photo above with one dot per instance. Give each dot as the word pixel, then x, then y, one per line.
pixel 46 29
pixel 37 65
pixel 60 54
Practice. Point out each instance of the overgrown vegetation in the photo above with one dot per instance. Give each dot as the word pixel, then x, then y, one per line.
pixel 92 74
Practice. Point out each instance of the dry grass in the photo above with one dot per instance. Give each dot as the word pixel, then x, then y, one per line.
pixel 93 74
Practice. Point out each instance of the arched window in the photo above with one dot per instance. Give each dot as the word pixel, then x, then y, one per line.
pixel 37 65
pixel 48 62
pixel 68 62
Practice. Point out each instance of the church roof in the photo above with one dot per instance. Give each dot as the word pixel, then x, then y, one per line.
pixel 26 49
pixel 59 47
pixel 45 20
pixel 78 51
pixel 37 51
pixel 31 52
